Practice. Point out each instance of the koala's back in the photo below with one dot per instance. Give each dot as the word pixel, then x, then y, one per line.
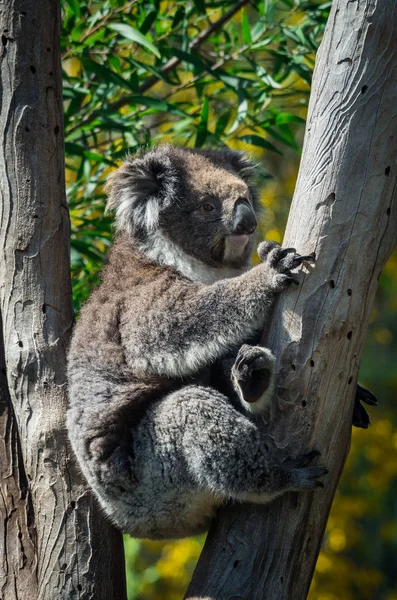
pixel 96 340
pixel 109 417
pixel 97 367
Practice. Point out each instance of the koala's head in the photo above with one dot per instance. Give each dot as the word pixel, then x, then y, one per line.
pixel 199 201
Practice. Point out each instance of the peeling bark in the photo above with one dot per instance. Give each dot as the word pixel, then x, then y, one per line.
pixel 54 542
pixel 345 210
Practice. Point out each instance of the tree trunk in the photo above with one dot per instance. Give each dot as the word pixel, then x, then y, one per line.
pixel 344 209
pixel 54 542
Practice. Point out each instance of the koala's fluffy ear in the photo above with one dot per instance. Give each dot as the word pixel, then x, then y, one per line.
pixel 240 163
pixel 139 189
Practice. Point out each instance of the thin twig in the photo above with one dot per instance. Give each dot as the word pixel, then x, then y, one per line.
pixel 174 61
pixel 100 24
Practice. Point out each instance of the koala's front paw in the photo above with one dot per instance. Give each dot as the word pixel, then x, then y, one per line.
pixel 299 474
pixel 281 262
pixel 253 372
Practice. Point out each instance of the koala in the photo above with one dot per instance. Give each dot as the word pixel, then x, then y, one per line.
pixel 167 382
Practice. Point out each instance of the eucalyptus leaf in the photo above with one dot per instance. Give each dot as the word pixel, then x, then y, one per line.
pixel 106 75
pixel 130 33
pixel 148 22
pixel 202 127
pixel 242 111
pixel 256 140
pixel 75 7
pixel 245 26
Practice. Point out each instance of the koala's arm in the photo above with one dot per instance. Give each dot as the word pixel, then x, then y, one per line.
pixel 190 326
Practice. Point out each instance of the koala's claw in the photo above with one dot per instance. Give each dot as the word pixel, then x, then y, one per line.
pixel 360 415
pixel 366 396
pixel 303 460
pixel 291 280
pixel 300 474
pixel 286 258
pixel 298 259
pixel 253 371
pixel 292 260
pixel 285 251
pixel 306 478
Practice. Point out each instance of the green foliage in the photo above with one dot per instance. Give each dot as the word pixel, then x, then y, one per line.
pixel 138 73
pixel 141 72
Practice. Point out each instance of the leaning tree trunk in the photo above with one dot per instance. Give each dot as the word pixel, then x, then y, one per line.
pixel 54 543
pixel 344 209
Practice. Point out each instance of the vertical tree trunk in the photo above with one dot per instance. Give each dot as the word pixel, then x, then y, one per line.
pixel 344 209
pixel 54 542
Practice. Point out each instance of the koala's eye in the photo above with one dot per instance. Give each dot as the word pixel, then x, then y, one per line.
pixel 208 207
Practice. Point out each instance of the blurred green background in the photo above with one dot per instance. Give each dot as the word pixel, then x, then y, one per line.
pixel 226 74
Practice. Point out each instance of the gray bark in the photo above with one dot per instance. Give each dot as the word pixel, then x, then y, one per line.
pixel 54 542
pixel 344 209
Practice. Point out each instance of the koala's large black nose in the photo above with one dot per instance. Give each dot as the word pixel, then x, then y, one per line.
pixel 244 219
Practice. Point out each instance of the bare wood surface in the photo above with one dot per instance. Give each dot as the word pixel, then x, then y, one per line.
pixel 345 210
pixel 54 542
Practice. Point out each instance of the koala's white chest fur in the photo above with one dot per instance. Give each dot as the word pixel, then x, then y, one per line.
pixel 234 247
pixel 163 251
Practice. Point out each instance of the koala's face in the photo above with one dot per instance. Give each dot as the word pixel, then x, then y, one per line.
pixel 201 201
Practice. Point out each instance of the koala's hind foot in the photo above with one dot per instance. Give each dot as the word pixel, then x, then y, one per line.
pixel 253 375
pixel 299 473
pixel 360 415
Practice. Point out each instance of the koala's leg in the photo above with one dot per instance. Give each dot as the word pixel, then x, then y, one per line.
pixel 190 452
pixel 223 451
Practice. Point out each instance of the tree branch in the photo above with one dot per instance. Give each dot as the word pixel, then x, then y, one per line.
pixel 15 501
pixel 344 209
pixel 55 542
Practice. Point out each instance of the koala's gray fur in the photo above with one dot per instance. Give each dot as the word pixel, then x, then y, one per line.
pixel 163 394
